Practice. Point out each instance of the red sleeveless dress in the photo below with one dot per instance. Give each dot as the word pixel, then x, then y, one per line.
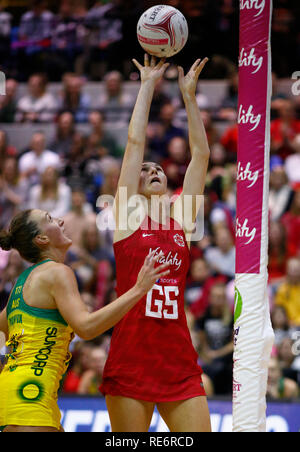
pixel 151 356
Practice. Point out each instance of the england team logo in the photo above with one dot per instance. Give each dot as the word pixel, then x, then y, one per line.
pixel 179 240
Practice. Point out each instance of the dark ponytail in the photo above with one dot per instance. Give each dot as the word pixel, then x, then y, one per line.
pixel 5 241
pixel 20 236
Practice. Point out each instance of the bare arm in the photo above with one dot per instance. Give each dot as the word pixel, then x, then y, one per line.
pixel 134 152
pixel 3 323
pixel 194 181
pixel 90 325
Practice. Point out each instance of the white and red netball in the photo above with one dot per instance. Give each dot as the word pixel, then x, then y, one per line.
pixel 162 31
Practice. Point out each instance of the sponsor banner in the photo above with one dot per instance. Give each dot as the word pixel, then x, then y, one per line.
pixel 254 87
pixel 89 414
pixel 253 335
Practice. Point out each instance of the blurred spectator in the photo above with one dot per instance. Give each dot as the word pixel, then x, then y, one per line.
pixel 8 103
pixel 280 324
pixel 51 195
pixel 291 222
pixel 80 215
pixel 175 165
pixel 277 252
pixel 73 99
pixel 229 141
pixel 288 359
pixel 74 163
pixel 15 266
pixel 92 377
pixel 221 257
pixel 67 39
pixel 280 387
pixel 79 364
pixel 105 29
pixel 115 102
pixel 12 191
pixel 5 33
pixel 101 137
pixel 160 98
pixel 36 24
pixel 288 294
pixel 228 108
pixel 65 131
pixel 33 163
pixel 5 149
pixel 38 105
pixel 292 162
pixel 198 274
pixel 162 130
pixel 284 129
pixel 34 45
pixel 86 260
pixel 280 191
pixel 215 340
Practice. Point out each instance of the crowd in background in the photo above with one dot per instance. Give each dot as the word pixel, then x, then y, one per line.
pixel 66 174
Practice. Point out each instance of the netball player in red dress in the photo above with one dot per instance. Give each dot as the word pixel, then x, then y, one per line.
pixel 152 360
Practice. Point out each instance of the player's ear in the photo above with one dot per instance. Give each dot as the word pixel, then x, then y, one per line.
pixel 41 240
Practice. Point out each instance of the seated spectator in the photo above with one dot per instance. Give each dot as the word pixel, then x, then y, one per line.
pixel 74 99
pixel 215 340
pixel 160 132
pixel 115 102
pixel 5 33
pixel 33 163
pixel 74 163
pixel 229 105
pixel 199 273
pixel 280 190
pixel 221 257
pixel 103 138
pixel 278 386
pixel 91 379
pixel 292 162
pixel 15 266
pixel 284 129
pixel 278 254
pixel 229 141
pixel 280 324
pixel 288 294
pixel 5 149
pixel 78 366
pixel 8 103
pixel 288 359
pixel 175 165
pixel 36 24
pixel 85 261
pixel 12 191
pixel 105 35
pixel 80 215
pixel 51 195
pixel 65 131
pixel 68 37
pixel 160 98
pixel 38 105
pixel 291 222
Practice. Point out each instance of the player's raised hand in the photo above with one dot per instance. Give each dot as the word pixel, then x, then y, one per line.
pixel 149 274
pixel 151 71
pixel 188 82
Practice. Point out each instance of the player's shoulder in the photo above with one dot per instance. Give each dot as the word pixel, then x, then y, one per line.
pixel 58 273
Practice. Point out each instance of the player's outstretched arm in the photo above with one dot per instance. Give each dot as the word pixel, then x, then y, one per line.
pixel 90 325
pixel 194 181
pixel 150 73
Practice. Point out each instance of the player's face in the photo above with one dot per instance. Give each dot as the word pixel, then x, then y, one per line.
pixel 153 180
pixel 53 228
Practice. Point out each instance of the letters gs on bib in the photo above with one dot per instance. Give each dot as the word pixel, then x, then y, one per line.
pixel 162 31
